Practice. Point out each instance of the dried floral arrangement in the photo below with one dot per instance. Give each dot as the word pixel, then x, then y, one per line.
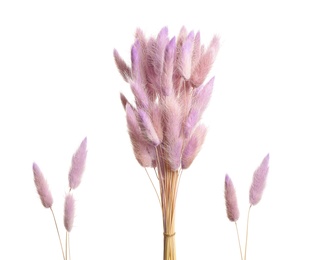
pixel 74 177
pixel 255 195
pixel 167 77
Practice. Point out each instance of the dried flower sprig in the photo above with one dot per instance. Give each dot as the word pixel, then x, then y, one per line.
pixel 255 195
pixel 166 77
pixel 74 176
pixel 42 187
pixel 78 165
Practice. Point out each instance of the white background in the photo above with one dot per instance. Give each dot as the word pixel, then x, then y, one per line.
pixel 59 83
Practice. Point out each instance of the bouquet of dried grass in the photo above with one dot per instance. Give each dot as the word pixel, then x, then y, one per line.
pixel 167 77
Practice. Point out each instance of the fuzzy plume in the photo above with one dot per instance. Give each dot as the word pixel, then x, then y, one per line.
pixel 78 165
pixel 122 66
pixel 205 63
pixel 69 210
pixel 167 80
pixel 140 148
pixel 185 61
pixel 200 100
pixel 196 51
pixel 231 200
pixel 148 128
pixel 259 181
pixel 123 100
pixel 172 118
pixel 193 146
pixel 42 187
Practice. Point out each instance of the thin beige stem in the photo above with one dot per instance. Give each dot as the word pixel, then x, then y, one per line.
pixel 69 248
pixel 153 185
pixel 66 245
pixel 62 250
pixel 247 233
pixel 239 240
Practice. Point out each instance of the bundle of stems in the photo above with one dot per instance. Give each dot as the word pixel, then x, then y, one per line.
pixel 74 178
pixel 166 78
pixel 255 195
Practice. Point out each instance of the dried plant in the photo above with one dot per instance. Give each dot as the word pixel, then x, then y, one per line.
pixel 167 77
pixel 255 195
pixel 74 176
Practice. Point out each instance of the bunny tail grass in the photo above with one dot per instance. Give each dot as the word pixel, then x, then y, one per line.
pixel 42 187
pixel 231 200
pixel 78 165
pixel 69 212
pixel 259 181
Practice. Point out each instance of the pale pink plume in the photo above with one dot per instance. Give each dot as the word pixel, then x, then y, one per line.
pixel 200 100
pixel 196 51
pixel 135 60
pixel 205 63
pixel 193 146
pixel 174 151
pixel 122 66
pixel 69 210
pixel 259 181
pixel 185 61
pixel 156 115
pixel 138 84
pixel 172 119
pixel 142 152
pixel 123 100
pixel 42 187
pixel 159 52
pixel 167 80
pixel 150 64
pixel 177 76
pixel 231 200
pixel 148 128
pixel 78 165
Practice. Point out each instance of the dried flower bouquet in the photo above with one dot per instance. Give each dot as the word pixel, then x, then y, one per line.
pixel 167 77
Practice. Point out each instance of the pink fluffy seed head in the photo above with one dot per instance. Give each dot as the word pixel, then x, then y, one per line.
pixel 174 153
pixel 148 128
pixel 78 165
pixel 123 68
pixel 232 209
pixel 193 146
pixel 42 187
pixel 167 81
pixel 123 100
pixel 205 63
pixel 185 62
pixel 196 51
pixel 141 150
pixel 259 181
pixel 69 210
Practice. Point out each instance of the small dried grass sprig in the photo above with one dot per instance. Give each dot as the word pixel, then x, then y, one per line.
pixel 166 77
pixel 74 176
pixel 42 187
pixel 259 181
pixel 232 209
pixel 78 165
pixel 255 195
